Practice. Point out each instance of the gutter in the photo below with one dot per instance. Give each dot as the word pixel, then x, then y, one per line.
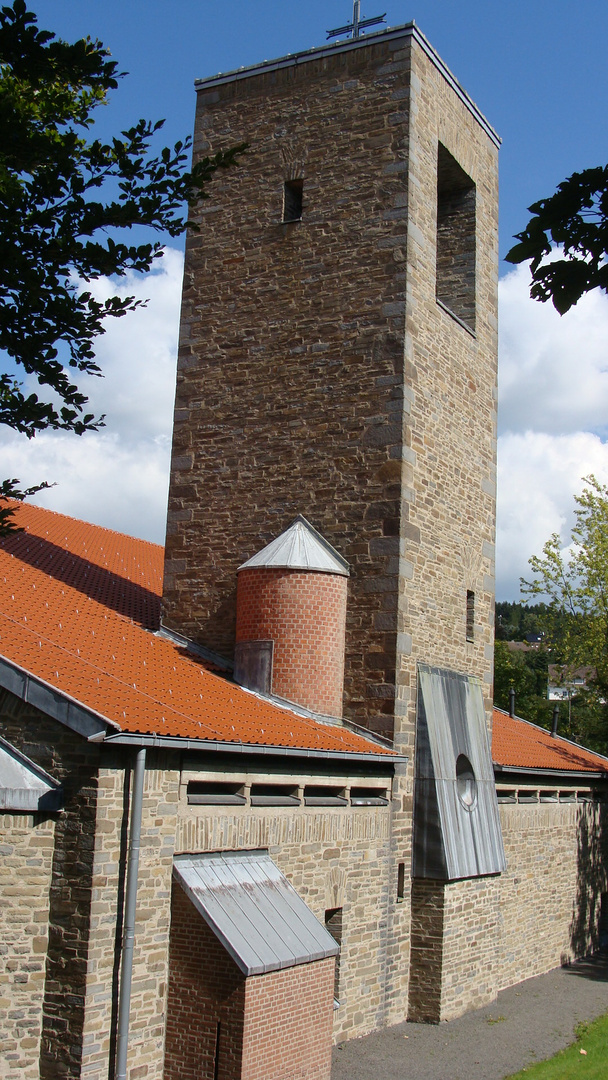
pixel 215 746
pixel 565 774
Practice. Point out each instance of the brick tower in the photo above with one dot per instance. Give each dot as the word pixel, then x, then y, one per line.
pixel 338 358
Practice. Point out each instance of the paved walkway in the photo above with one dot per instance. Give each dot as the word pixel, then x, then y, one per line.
pixel 527 1023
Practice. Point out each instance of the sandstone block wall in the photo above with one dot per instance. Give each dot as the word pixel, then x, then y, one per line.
pixel 551 893
pixel 151 950
pixel 72 761
pixel 335 857
pixel 26 859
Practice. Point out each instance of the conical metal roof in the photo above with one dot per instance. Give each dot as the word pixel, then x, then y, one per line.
pixel 300 547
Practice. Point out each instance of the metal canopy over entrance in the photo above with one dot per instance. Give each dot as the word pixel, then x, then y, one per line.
pixel 253 910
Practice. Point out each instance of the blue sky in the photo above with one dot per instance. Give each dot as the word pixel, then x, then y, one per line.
pixel 537 71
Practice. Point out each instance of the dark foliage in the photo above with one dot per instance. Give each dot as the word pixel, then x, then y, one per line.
pixel 576 218
pixel 68 205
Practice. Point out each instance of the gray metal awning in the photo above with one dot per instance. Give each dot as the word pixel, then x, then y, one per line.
pixel 24 786
pixel 253 910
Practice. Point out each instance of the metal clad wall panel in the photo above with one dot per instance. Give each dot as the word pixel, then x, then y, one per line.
pixel 453 841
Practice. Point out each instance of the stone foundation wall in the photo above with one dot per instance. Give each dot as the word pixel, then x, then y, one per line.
pixel 551 893
pixel 73 762
pixel 26 860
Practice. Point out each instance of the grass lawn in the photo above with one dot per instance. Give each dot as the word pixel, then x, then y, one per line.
pixel 571 1063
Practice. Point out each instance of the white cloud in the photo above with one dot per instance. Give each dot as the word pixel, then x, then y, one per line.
pixel 553 413
pixel 553 393
pixel 119 476
pixel 553 372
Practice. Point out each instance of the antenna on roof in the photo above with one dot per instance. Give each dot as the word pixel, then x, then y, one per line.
pixel 358 24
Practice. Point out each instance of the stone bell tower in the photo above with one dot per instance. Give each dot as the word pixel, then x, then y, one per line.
pixel 338 358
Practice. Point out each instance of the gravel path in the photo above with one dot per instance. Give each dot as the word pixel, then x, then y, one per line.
pixel 527 1023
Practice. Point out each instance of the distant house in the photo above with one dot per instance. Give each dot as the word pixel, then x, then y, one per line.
pixel 563 683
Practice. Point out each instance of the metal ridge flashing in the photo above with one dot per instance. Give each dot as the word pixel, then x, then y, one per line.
pixel 407 30
pixel 169 742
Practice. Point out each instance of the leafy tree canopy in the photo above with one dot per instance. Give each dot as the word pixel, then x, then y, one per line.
pixel 576 620
pixel 68 203
pixel 575 217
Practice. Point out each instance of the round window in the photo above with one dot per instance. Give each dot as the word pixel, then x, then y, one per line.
pixel 466 784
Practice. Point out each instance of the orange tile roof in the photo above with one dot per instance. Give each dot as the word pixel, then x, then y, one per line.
pixel 517 744
pixel 79 605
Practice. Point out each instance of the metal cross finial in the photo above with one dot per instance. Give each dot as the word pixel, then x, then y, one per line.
pixel 358 24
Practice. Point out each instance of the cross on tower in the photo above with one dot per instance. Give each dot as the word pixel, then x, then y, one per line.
pixel 358 24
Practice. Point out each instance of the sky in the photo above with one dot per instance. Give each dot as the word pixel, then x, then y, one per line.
pixel 538 72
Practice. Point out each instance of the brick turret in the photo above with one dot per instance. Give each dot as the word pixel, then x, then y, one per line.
pixel 290 622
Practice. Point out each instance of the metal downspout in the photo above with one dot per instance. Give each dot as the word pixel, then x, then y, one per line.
pixel 128 937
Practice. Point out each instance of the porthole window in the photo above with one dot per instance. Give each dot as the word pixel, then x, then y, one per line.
pixel 466 784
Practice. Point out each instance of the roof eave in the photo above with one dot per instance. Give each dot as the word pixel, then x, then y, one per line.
pixel 567 774
pixel 169 742
pixel 53 702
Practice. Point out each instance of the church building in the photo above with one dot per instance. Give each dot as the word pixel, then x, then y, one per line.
pixel 254 796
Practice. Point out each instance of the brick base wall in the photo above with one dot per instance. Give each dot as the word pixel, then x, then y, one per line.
pixel 205 988
pixel 288 1023
pixel 275 1026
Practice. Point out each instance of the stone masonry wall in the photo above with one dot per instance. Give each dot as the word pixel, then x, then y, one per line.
pixel 26 861
pixel 72 761
pixel 448 458
pixel 290 372
pixel 335 857
pixel 551 893
pixel 150 961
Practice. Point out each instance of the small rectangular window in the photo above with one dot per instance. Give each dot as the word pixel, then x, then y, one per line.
pixel 292 200
pixel 320 795
pixel 455 274
pixel 470 615
pixel 333 923
pixel 368 796
pixel 274 795
pixel 400 882
pixel 215 793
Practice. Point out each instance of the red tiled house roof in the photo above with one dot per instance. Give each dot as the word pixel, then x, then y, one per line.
pixel 517 744
pixel 79 608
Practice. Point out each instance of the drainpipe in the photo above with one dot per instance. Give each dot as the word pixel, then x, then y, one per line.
pixel 128 937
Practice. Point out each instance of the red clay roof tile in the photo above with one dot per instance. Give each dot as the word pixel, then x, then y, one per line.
pixel 79 605
pixel 517 744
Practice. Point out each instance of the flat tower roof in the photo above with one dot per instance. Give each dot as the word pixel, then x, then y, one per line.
pixel 407 30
